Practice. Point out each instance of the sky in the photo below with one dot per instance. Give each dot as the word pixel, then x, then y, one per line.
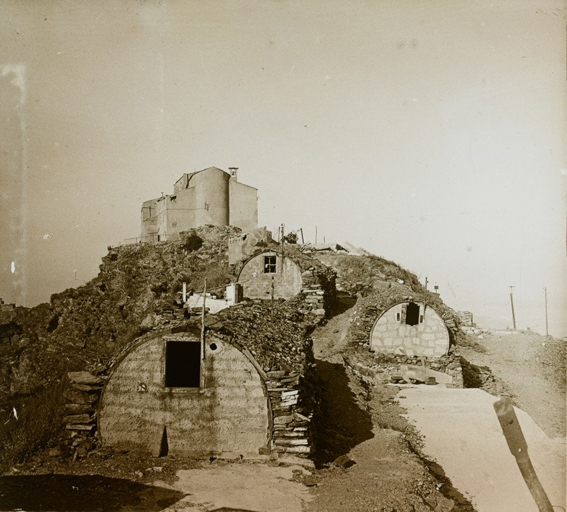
pixel 431 133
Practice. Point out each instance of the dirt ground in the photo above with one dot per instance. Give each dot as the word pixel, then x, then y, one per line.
pixel 532 368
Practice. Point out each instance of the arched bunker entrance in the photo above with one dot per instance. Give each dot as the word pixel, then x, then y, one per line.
pixel 163 397
pixel 411 329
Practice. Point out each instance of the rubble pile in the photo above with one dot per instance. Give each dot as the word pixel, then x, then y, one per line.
pixel 385 368
pixel 360 275
pixel 276 333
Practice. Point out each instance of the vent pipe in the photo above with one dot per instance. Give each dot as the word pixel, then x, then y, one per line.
pixel 233 173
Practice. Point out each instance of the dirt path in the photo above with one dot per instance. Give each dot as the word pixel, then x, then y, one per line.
pixel 530 366
pixel 365 460
pixel 331 338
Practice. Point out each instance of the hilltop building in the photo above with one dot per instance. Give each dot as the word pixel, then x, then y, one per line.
pixel 210 196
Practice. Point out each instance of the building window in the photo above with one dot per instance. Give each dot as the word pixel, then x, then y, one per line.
pixel 412 314
pixel 182 364
pixel 269 264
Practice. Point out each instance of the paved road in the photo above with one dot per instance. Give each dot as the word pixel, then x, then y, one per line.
pixel 463 435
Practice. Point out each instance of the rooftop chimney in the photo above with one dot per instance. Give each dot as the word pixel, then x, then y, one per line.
pixel 233 173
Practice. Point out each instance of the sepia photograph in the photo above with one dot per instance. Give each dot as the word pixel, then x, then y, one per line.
pixel 283 255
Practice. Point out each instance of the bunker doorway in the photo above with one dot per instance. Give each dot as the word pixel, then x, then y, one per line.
pixel 412 314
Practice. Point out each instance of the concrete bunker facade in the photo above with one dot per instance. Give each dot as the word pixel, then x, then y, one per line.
pixel 277 274
pixel 412 329
pixel 170 394
pixel 210 196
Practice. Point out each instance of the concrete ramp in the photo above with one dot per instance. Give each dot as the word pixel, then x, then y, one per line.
pixel 463 435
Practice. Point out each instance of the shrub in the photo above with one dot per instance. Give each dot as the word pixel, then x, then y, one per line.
pixel 39 419
pixel 193 242
pixel 290 238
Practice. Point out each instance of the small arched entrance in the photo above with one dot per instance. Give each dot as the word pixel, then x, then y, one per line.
pixel 412 329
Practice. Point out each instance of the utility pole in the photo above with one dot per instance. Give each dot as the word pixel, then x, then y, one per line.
pixel 546 322
pixel 512 303
pixel 272 290
pixel 302 239
pixel 315 234
pixel 203 322
pixel 426 281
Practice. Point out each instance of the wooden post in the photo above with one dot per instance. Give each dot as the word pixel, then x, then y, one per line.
pixel 302 239
pixel 203 322
pixel 546 322
pixel 512 302
pixel 519 448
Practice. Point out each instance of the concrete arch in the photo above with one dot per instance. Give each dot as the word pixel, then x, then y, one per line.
pixel 256 283
pixel 227 414
pixel 393 332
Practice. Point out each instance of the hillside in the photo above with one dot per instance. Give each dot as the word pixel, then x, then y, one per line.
pixel 138 289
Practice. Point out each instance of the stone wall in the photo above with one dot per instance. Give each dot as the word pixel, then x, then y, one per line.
pixel 466 318
pixel 82 398
pixel 392 335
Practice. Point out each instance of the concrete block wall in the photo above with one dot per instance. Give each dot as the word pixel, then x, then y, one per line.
pixel 391 335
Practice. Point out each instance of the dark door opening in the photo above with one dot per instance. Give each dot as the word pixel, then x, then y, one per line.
pixel 412 314
pixel 183 364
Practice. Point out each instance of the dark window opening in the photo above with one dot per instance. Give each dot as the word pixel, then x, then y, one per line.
pixel 183 364
pixel 269 264
pixel 412 314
